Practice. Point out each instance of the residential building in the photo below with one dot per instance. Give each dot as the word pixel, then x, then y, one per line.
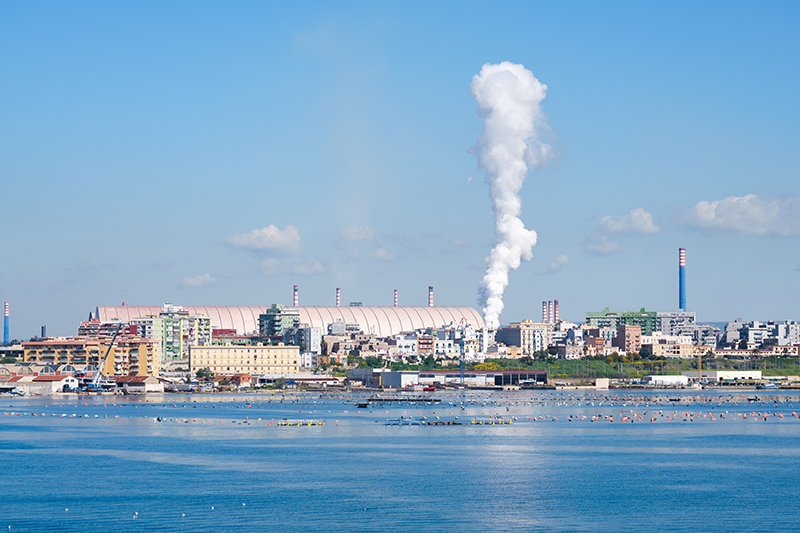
pixel 128 356
pixel 646 320
pixel 629 338
pixel 307 338
pixel 667 322
pixel 277 320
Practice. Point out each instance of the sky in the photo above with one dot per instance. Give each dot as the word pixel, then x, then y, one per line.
pixel 218 153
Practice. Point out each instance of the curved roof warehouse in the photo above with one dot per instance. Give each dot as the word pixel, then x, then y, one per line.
pixel 381 321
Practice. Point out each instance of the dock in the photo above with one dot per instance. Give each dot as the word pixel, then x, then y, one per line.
pixel 407 399
pixel 404 422
pixel 300 423
pixel 491 422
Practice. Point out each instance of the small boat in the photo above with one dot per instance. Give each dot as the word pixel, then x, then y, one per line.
pixel 429 389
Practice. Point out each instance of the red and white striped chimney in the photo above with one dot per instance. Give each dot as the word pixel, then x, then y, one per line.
pixel 555 306
pixel 395 297
pixel 549 311
pixel 338 297
pixel 544 311
pixel 430 296
pixel 296 298
pixel 5 312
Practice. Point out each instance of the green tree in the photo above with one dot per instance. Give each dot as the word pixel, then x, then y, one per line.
pixel 203 373
pixel 743 344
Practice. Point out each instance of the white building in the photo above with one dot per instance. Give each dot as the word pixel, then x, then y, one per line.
pixel 666 381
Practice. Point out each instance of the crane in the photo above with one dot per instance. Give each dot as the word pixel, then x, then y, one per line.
pixel 97 382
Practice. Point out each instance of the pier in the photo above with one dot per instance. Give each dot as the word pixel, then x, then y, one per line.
pixel 406 399
pixel 300 423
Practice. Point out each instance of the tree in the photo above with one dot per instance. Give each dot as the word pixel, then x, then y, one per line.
pixel 646 351
pixel 743 344
pixel 203 373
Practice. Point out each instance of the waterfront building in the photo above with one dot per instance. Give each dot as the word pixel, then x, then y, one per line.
pixel 666 380
pixel 646 320
pixel 278 360
pixel 128 356
pixel 724 375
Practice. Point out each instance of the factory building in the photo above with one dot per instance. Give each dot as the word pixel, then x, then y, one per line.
pixel 381 321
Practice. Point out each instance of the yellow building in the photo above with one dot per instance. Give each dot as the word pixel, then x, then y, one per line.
pixel 680 351
pixel 130 356
pixel 248 359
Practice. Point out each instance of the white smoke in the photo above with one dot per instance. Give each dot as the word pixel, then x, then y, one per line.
pixel 509 96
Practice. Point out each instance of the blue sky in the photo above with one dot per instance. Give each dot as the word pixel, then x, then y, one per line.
pixel 218 153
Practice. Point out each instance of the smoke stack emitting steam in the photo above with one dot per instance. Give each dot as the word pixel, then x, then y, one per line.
pixel 509 96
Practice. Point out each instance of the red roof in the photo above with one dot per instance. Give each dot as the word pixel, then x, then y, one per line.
pixel 130 379
pixel 51 378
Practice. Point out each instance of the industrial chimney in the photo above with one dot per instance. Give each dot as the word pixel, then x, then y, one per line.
pixel 296 299
pixel 5 324
pixel 430 296
pixel 555 307
pixel 549 311
pixel 338 297
pixel 395 297
pixel 682 279
pixel 544 312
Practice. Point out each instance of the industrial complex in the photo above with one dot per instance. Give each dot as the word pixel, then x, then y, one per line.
pixel 266 343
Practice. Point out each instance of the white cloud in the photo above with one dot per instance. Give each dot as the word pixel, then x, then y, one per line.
pixel 748 215
pixel 302 267
pixel 382 254
pixel 637 221
pixel 459 242
pixel 197 281
pixel 554 266
pixel 356 234
pixel 599 244
pixel 269 238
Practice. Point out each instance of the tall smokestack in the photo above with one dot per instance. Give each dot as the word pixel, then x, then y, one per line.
pixel 682 279
pixel 549 311
pixel 430 296
pixel 544 311
pixel 395 297
pixel 509 96
pixel 296 298
pixel 555 308
pixel 44 331
pixel 338 297
pixel 5 324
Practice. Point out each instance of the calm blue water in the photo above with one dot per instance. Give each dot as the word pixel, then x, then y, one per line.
pixel 94 474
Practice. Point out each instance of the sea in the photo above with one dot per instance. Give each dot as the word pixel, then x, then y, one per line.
pixel 550 461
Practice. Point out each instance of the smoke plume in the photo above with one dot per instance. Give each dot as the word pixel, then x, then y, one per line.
pixel 508 95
